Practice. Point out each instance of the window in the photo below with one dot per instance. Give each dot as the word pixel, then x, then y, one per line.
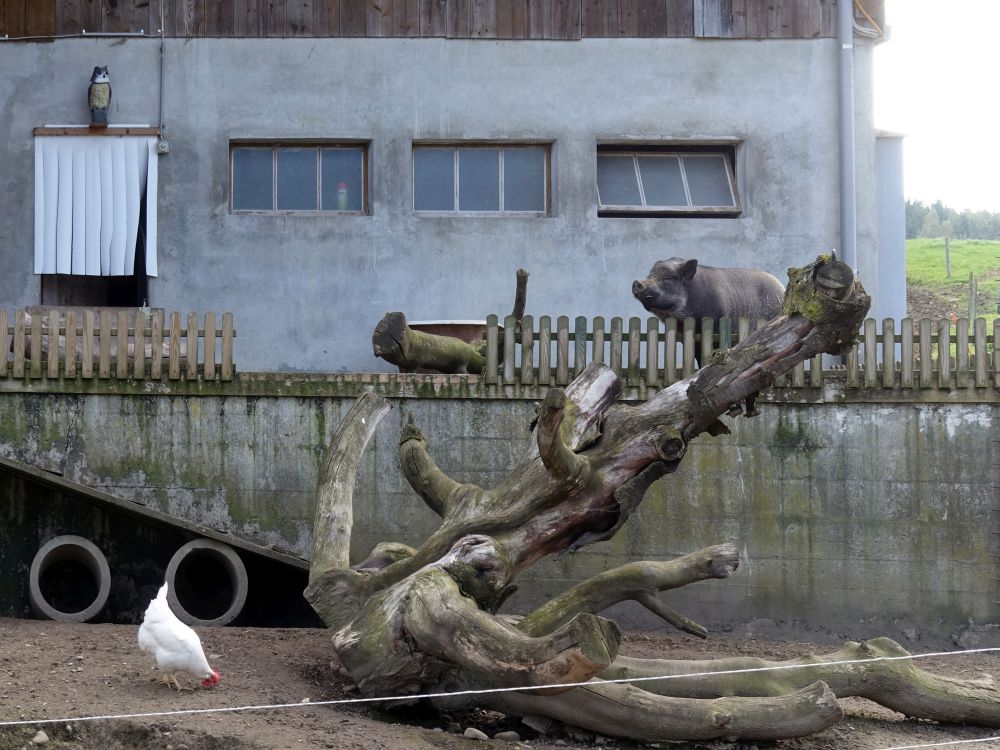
pixel 666 181
pixel 327 177
pixel 481 179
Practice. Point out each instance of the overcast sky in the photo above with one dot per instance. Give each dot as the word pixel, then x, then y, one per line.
pixel 937 81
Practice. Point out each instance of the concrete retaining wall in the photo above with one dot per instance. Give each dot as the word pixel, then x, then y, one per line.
pixel 853 519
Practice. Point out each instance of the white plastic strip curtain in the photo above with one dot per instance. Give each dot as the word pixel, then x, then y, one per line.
pixel 87 199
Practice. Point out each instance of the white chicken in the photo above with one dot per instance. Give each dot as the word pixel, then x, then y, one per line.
pixel 173 645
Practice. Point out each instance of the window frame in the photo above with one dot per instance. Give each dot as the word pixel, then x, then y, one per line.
pixel 681 151
pixel 455 146
pixel 274 145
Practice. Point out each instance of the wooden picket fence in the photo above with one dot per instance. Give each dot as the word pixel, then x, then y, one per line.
pixel 122 344
pixel 917 354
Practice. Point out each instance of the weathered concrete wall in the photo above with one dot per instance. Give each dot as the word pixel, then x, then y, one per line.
pixel 853 519
pixel 308 290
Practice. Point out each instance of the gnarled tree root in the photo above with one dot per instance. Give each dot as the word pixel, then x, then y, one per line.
pixel 626 711
pixel 885 676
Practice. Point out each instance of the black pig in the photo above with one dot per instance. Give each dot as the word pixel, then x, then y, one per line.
pixel 678 288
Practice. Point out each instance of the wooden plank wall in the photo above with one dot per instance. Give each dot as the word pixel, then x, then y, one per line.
pixel 461 19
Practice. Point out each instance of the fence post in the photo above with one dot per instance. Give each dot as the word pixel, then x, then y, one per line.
pixel 121 355
pixel 104 356
pixel 579 345
pixel 527 350
pixel 888 353
pixel 228 333
pixel 871 354
pixel 944 353
pixel 53 339
pixel 156 346
pixel 615 352
pixel 174 348
pixel 688 348
pixel 652 351
pixel 670 352
pixel 981 353
pixel 545 351
pixel 492 349
pixel 509 342
pixel 597 348
pixel 18 366
pixel 87 350
pixel 209 369
pixel 70 365
pixel 852 366
pixel 962 353
pixel 36 346
pixel 192 347
pixel 996 353
pixel 562 350
pixel 926 361
pixel 139 347
pixel 743 329
pixel 947 256
pixel 973 291
pixel 707 341
pixel 634 344
pixel 906 352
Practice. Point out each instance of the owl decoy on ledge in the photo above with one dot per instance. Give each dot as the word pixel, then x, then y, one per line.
pixel 99 96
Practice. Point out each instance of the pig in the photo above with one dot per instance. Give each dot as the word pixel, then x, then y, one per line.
pixel 678 288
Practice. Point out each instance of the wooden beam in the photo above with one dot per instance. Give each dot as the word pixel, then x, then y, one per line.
pixel 86 130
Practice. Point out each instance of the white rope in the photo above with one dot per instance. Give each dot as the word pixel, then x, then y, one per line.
pixel 484 691
pixel 942 744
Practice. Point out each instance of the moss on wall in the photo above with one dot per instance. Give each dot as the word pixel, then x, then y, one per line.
pixel 842 511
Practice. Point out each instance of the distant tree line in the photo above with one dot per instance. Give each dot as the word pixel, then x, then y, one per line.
pixel 937 220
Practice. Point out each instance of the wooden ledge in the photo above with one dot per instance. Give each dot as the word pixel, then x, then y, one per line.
pixel 93 130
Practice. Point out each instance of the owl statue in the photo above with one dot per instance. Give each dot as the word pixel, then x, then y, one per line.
pixel 99 96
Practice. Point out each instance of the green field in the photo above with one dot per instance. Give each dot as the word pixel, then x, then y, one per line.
pixel 931 291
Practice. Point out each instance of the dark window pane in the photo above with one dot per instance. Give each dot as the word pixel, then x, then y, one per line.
pixel 661 181
pixel 708 181
pixel 252 179
pixel 524 179
pixel 342 179
pixel 479 179
pixel 616 181
pixel 433 179
pixel 297 179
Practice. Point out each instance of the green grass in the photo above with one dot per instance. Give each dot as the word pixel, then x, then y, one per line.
pixel 926 270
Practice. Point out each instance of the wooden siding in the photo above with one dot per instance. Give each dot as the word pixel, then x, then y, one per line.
pixel 459 19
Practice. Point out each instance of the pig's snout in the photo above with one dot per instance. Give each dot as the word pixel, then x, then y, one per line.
pixel 638 287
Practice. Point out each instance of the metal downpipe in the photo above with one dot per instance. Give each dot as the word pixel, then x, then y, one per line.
pixel 848 203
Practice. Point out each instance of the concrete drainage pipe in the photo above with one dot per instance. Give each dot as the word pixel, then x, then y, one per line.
pixel 207 583
pixel 69 580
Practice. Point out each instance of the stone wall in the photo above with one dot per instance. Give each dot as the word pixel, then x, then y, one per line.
pixel 853 519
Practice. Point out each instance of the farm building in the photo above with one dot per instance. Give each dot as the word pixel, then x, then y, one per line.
pixel 311 166
pixel 303 168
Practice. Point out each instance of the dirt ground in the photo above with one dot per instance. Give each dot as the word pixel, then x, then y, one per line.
pixel 56 670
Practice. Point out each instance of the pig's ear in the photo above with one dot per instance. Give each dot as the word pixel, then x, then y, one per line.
pixel 686 271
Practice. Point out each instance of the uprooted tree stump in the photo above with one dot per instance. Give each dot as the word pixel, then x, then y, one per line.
pixel 418 620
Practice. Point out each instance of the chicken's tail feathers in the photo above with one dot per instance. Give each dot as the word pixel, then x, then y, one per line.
pixel 162 593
